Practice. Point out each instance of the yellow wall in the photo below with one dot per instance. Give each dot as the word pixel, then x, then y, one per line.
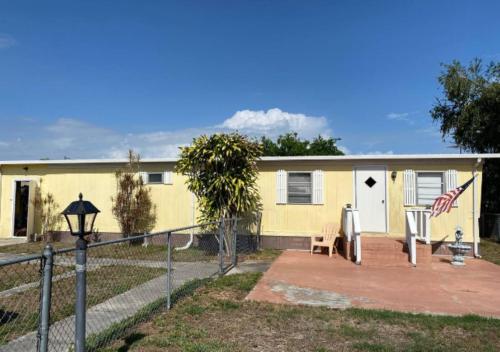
pixel 174 203
pixel 293 219
pixel 97 183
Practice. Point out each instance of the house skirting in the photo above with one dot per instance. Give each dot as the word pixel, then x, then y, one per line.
pixel 245 242
pixel 304 243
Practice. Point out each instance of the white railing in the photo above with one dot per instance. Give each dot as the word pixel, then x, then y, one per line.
pixel 411 234
pixel 352 231
pixel 422 219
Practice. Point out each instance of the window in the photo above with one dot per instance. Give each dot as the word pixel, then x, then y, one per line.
pixel 299 188
pixel 430 185
pixel 155 177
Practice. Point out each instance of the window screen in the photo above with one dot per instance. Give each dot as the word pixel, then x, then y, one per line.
pixel 155 177
pixel 429 186
pixel 299 188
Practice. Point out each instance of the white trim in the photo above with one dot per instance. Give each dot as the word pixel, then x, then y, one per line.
pixel 451 182
pixel 318 185
pixel 13 202
pixel 265 158
pixel 409 187
pixel 386 200
pixel 144 176
pixel 167 177
pixel 281 187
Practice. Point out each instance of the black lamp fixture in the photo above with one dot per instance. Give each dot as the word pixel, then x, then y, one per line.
pixel 393 175
pixel 80 216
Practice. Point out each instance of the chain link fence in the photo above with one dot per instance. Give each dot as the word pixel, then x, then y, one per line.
pixel 127 281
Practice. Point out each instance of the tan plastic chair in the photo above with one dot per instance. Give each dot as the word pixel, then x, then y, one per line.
pixel 327 239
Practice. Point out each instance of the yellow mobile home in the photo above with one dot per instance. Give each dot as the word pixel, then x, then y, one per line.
pixel 299 194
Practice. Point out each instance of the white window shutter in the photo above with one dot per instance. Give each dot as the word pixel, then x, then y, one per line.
pixel 167 177
pixel 317 186
pixel 451 182
pixel 144 176
pixel 409 187
pixel 281 180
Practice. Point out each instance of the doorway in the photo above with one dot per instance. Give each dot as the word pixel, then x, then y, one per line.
pixel 23 208
pixel 370 195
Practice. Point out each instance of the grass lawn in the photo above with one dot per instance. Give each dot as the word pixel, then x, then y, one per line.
pixel 21 274
pixel 138 252
pixel 102 283
pixel 120 251
pixel 31 247
pixel 490 250
pixel 217 318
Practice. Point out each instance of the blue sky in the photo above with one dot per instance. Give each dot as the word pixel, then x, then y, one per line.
pixel 93 78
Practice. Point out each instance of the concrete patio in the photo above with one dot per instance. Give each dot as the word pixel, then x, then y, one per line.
pixel 438 288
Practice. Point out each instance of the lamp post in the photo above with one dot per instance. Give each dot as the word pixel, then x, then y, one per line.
pixel 80 216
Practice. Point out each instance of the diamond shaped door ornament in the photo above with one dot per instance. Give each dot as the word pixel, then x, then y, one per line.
pixel 370 182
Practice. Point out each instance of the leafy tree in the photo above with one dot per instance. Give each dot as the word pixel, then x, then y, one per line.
pixel 469 113
pixel 290 144
pixel 48 213
pixel 221 172
pixel 133 207
pixel 324 146
pixel 470 109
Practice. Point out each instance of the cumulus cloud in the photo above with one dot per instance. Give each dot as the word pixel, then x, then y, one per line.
pixel 6 41
pixel 76 138
pixel 275 122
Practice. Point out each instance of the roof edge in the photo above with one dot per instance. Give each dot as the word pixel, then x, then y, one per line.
pixel 266 158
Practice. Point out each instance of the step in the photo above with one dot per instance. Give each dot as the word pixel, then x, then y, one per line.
pixel 384 251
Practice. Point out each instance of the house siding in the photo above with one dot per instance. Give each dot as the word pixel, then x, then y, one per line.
pixel 174 202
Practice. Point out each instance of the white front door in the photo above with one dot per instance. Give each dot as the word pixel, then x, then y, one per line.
pixel 370 197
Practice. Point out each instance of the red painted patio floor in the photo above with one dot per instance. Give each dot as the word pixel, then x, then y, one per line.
pixel 438 288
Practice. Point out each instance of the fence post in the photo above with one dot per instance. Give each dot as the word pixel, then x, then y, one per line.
pixel 221 247
pixel 81 294
pixel 169 269
pixel 44 324
pixel 235 241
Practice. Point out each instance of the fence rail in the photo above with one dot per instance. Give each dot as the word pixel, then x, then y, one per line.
pixel 127 280
pixel 422 219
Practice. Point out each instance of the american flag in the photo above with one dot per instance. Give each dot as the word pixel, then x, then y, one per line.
pixel 444 202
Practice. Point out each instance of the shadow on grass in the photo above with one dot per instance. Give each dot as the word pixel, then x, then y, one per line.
pixel 130 340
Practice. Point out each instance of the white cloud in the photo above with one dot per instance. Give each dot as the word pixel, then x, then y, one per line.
pixel 398 115
pixel 275 122
pixel 6 41
pixel 76 138
pixel 402 116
